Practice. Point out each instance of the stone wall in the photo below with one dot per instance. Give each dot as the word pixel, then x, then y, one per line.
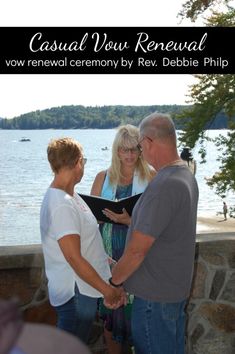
pixel 22 275
pixel 211 309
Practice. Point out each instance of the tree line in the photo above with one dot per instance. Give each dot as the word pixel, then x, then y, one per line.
pixel 105 117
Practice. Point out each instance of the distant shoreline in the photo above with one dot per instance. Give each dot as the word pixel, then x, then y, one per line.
pixel 101 117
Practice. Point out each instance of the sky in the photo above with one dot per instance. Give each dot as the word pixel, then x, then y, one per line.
pixel 24 93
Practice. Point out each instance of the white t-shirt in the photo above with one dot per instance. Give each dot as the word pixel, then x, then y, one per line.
pixel 62 215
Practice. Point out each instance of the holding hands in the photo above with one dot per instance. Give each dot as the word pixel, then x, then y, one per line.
pixel 115 298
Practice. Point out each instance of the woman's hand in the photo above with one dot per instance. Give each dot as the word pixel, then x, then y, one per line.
pixel 123 218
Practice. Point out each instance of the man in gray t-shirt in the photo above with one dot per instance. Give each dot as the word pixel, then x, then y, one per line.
pixel 157 264
pixel 165 211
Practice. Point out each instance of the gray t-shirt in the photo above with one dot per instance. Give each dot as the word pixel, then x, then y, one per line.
pixel 167 211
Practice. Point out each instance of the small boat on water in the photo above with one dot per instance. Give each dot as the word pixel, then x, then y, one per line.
pixel 23 139
pixel 104 148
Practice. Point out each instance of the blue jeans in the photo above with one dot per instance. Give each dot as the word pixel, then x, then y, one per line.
pixel 77 315
pixel 158 328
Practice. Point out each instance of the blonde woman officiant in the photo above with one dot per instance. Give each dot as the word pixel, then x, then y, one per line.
pixel 128 174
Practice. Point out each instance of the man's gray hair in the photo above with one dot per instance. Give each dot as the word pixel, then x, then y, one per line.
pixel 158 126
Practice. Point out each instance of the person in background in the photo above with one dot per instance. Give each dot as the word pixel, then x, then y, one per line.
pixel 38 338
pixel 11 325
pixel 225 210
pixel 18 337
pixel 186 155
pixel 76 264
pixel 128 174
pixel 157 264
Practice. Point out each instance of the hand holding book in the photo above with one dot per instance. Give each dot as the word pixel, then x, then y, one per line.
pixel 120 218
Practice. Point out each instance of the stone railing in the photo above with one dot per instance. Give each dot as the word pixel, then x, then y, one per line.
pixel 22 275
pixel 211 308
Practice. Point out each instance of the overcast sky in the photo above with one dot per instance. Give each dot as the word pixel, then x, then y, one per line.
pixel 23 93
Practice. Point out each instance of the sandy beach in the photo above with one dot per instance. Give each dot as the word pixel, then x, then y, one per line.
pixel 215 224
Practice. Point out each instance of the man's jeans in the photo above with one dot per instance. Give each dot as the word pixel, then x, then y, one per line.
pixel 77 315
pixel 158 328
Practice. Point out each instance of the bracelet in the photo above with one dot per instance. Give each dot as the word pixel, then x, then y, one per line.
pixel 114 285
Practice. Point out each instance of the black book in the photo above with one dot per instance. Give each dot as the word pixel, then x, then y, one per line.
pixel 97 204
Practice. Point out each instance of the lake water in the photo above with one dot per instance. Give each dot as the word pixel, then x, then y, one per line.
pixel 25 175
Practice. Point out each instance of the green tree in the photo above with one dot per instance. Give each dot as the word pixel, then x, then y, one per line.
pixel 210 96
pixel 214 12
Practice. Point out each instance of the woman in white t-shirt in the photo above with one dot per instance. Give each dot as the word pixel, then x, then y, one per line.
pixel 75 261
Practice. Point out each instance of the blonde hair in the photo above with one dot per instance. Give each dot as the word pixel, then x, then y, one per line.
pixel 63 152
pixel 127 136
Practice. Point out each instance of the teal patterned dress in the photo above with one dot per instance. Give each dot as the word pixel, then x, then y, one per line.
pixel 114 238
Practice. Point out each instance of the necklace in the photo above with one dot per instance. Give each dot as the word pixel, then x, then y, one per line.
pixel 126 180
pixel 177 162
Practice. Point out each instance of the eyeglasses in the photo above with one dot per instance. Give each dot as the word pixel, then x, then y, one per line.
pixel 134 150
pixel 142 139
pixel 84 160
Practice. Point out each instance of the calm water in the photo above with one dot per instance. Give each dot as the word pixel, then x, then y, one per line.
pixel 25 175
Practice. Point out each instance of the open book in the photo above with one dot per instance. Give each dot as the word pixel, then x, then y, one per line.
pixel 97 204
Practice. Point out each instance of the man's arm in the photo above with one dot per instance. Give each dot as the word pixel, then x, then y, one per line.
pixel 133 256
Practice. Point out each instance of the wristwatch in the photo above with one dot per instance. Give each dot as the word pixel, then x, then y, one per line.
pixel 115 285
